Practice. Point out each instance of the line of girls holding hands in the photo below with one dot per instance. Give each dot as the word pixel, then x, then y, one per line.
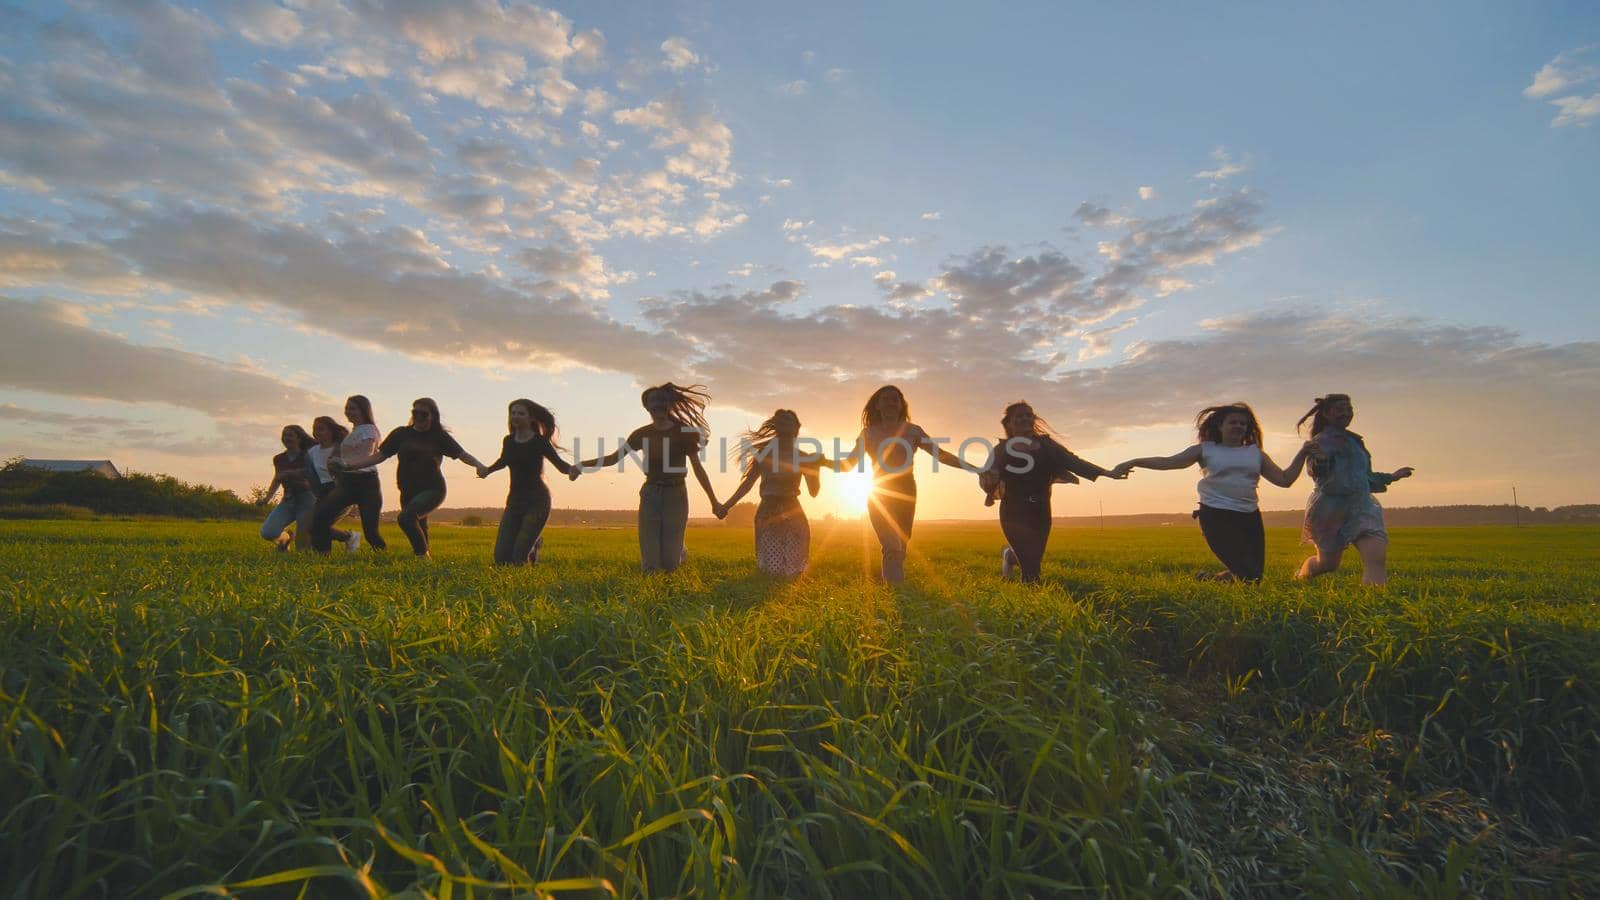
pixel 325 473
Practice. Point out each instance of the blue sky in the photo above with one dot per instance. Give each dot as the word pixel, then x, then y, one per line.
pixel 218 218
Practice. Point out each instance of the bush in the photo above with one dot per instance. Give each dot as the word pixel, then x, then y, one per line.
pixel 45 511
pixel 133 494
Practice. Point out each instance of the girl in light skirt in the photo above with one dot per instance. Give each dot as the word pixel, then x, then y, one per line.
pixel 1342 510
pixel 783 535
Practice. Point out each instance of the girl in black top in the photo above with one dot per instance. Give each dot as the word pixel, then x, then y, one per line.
pixel 890 439
pixel 421 446
pixel 1025 464
pixel 289 471
pixel 670 444
pixel 531 441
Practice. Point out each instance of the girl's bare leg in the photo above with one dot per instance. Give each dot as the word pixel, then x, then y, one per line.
pixel 1374 559
pixel 1319 565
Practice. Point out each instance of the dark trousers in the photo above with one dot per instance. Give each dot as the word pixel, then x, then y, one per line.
pixel 1237 538
pixel 1025 521
pixel 413 518
pixel 323 489
pixel 520 527
pixel 359 489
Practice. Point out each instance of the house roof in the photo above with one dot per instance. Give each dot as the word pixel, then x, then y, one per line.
pixel 103 466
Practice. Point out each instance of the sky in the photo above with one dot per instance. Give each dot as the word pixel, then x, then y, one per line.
pixel 219 219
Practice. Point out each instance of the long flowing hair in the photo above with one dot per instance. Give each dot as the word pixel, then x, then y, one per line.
pixel 544 421
pixel 1318 413
pixel 338 431
pixel 1208 422
pixel 305 441
pixel 869 413
pixel 688 405
pixel 365 405
pixel 1041 428
pixel 758 439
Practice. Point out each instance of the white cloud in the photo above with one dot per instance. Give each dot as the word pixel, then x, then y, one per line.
pixel 831 252
pixel 795 88
pixel 1227 167
pixel 1576 110
pixel 932 216
pixel 1147 192
pixel 677 54
pixel 1566 75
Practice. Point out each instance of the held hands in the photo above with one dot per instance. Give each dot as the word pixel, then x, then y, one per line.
pixel 483 471
pixel 1403 472
pixel 574 473
pixel 1121 471
pixel 720 509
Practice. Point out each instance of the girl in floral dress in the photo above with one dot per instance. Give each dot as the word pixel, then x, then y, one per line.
pixel 783 535
pixel 1342 510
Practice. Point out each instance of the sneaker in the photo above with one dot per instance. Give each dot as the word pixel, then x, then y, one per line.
pixel 353 542
pixel 1008 562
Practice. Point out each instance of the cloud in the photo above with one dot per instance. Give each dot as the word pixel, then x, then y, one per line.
pixel 1146 192
pixel 932 216
pixel 1565 75
pixel 36 337
pixel 707 143
pixel 797 88
pixel 832 252
pixel 388 287
pixel 32 254
pixel 959 369
pixel 1226 167
pixel 677 55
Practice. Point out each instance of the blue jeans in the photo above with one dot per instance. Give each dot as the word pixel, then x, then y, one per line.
pixel 296 510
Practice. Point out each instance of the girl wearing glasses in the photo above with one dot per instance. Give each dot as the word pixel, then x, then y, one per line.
pixel 421 446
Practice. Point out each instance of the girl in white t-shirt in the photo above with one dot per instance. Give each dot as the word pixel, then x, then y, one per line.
pixel 328 434
pixel 353 487
pixel 1230 456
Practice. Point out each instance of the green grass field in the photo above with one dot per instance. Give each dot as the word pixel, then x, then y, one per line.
pixel 182 710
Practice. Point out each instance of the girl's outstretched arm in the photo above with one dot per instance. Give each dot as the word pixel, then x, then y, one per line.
pixel 704 479
pixel 1181 460
pixel 272 488
pixel 497 465
pixel 568 469
pixel 813 479
pixel 1285 477
pixel 745 484
pixel 933 449
pixel 610 459
pixel 849 460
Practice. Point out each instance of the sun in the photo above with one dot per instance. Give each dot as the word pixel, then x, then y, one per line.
pixel 851 490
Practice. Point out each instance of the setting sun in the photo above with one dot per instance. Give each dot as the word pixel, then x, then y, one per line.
pixel 850 492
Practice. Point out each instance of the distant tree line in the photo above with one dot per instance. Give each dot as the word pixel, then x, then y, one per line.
pixel 28 492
